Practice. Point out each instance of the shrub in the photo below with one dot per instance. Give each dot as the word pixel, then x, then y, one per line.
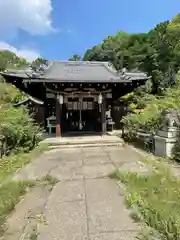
pixel 176 148
pixel 150 119
pixel 19 129
pixel 10 94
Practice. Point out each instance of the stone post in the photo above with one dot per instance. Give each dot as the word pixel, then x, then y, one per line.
pixel 165 138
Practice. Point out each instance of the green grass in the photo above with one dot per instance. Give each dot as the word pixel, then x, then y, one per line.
pixel 14 162
pixel 11 191
pixel 155 199
pixel 48 179
pixel 10 195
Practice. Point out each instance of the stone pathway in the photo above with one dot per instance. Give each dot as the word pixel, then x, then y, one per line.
pixel 85 204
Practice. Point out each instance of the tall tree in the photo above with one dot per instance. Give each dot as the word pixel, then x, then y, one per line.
pixel 156 52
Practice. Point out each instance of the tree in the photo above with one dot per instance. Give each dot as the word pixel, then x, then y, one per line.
pixel 156 52
pixel 10 60
pixel 75 57
pixel 36 64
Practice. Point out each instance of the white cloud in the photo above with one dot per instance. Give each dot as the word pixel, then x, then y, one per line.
pixel 32 16
pixel 26 53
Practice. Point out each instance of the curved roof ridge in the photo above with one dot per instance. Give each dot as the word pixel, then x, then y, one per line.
pixel 110 67
pixel 80 62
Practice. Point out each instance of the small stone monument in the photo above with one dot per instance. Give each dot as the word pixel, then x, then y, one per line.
pixel 165 138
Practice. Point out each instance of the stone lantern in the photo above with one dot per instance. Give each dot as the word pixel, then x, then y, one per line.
pixel 165 138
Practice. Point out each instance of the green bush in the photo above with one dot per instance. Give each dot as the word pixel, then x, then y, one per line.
pixel 150 119
pixel 19 128
pixel 176 148
pixel 10 94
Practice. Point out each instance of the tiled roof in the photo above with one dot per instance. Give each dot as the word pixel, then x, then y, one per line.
pixel 78 71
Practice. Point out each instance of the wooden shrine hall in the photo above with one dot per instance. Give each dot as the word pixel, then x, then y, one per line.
pixel 75 96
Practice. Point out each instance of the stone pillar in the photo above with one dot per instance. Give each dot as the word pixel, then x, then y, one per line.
pixel 58 117
pixel 165 141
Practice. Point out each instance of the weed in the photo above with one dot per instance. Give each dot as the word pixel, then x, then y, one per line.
pixel 50 180
pixel 157 198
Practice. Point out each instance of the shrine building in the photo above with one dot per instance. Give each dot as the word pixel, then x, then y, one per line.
pixel 75 96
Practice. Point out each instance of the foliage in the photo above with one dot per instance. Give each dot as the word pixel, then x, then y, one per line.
pixel 150 119
pixel 16 125
pixel 75 57
pixel 156 52
pixel 176 148
pixel 49 180
pixel 9 60
pixel 19 129
pixel 155 200
pixel 36 64
pixel 10 94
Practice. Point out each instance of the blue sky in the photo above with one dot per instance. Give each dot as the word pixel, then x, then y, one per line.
pixel 80 24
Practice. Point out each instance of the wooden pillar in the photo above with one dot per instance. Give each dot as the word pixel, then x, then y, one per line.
pixel 58 118
pixel 103 116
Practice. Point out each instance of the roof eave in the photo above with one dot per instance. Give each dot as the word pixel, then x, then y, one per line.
pixel 35 80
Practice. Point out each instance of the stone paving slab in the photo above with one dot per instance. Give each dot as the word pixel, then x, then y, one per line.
pixel 66 221
pixel 37 169
pixel 99 190
pixel 94 152
pixel 98 170
pixel 122 235
pixel 68 191
pixel 109 216
pixel 126 154
pixel 92 160
pixel 69 171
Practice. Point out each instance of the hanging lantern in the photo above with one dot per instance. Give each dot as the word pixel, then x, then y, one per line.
pixel 100 98
pixel 61 99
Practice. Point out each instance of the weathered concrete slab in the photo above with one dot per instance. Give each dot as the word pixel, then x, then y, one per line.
pixel 122 235
pixel 106 190
pixel 69 171
pixel 126 154
pixel 98 170
pixel 68 191
pixel 95 156
pixel 65 221
pixel 109 216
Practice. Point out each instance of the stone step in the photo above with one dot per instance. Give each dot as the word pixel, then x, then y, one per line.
pixel 120 144
pixel 84 141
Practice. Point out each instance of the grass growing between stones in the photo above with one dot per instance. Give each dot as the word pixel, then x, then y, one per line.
pixel 48 179
pixel 10 195
pixel 155 200
pixel 12 163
